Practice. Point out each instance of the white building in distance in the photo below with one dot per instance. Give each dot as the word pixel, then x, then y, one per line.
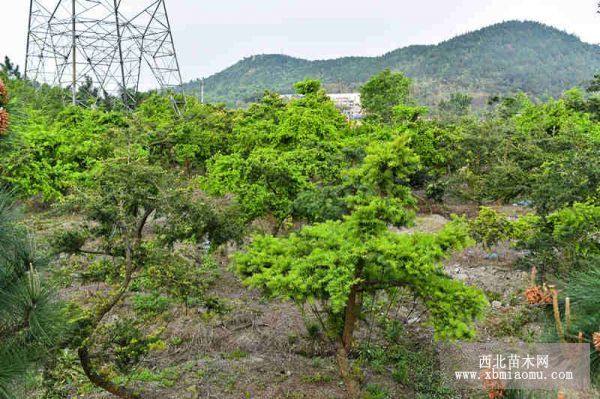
pixel 348 103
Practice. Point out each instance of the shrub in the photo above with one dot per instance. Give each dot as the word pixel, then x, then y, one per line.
pixel 490 227
pixel 565 241
pixel 150 305
pixel 128 344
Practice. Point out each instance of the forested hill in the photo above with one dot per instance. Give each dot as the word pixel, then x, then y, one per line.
pixel 499 59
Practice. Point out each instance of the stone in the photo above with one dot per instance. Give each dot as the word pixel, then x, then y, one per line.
pixel 492 256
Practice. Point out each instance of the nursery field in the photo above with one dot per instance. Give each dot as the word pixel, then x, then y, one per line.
pixel 282 251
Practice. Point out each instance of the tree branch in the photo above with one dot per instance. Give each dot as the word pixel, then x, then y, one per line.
pixel 92 252
pixel 140 227
pixel 102 381
pixel 379 285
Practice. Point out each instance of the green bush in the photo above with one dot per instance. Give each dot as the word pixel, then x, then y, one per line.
pixel 566 240
pixel 490 227
pixel 126 342
pixel 50 157
pixel 150 305
pixel 101 270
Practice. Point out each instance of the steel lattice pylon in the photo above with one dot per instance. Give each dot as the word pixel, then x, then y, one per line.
pixel 111 44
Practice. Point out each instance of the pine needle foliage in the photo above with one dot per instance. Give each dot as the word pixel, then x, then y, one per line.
pixel 30 317
pixel 584 290
pixel 336 263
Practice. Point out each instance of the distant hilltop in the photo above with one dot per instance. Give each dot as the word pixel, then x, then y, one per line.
pixel 500 59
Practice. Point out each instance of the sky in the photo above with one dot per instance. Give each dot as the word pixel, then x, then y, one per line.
pixel 212 35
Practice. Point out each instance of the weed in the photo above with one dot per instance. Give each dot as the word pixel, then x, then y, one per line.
pixel 373 391
pixel 316 378
pixel 165 378
pixel 512 322
pixel 411 365
pixel 235 354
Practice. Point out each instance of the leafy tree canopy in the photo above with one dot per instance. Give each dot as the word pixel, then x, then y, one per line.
pixel 383 92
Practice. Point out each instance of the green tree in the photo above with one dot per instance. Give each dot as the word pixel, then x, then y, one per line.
pixel 437 143
pixel 309 86
pixel 87 94
pixel 527 151
pixel 337 263
pixel 459 104
pixel 564 241
pixel 9 69
pixel 383 92
pixel 280 152
pixel 126 197
pixel 51 156
pixel 30 315
pixel 186 140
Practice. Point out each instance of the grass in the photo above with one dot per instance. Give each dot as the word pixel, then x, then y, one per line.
pixel 411 365
pixel 373 391
pixel 166 378
pixel 316 378
pixel 512 322
pixel 235 354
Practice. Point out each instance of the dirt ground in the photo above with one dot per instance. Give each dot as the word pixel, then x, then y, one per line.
pixel 261 349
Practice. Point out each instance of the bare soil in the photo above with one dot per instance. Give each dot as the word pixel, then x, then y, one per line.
pixel 260 348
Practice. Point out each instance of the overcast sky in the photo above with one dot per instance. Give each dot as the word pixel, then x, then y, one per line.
pixel 212 35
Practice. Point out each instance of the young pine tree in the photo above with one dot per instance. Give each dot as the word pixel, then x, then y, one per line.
pixel 337 263
pixel 30 317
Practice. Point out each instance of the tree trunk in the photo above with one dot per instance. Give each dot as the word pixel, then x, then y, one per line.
pixel 100 380
pixel 96 378
pixel 352 387
pixel 350 318
pixel 345 345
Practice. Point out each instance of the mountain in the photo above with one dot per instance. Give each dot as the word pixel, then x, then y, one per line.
pixel 499 59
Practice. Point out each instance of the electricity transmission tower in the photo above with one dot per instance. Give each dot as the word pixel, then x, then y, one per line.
pixel 108 45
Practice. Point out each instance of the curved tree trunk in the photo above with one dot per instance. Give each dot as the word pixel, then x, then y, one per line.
pixel 102 381
pixel 96 378
pixel 83 351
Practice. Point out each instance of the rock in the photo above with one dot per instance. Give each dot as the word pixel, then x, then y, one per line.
pixel 492 256
pixel 496 304
pixel 524 203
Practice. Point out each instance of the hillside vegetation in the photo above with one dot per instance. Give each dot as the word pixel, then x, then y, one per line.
pixel 281 251
pixel 497 60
